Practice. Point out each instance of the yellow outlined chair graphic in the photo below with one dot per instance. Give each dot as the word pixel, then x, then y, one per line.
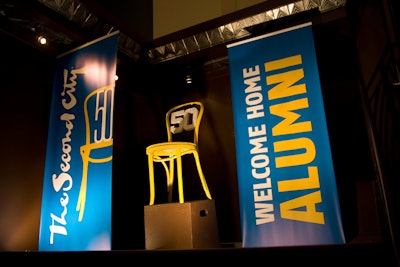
pixel 98 135
pixel 180 119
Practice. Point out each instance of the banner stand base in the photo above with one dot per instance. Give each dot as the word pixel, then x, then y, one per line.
pixel 186 225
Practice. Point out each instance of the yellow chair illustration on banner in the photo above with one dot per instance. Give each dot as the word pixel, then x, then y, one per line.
pixel 180 120
pixel 98 135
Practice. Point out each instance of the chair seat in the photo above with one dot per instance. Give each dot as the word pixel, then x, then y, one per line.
pixel 166 149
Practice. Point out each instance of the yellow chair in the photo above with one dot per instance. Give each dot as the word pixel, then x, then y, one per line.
pixel 180 120
pixel 99 126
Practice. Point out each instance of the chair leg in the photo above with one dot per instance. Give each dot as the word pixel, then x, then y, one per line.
pixel 201 175
pixel 151 179
pixel 80 206
pixel 180 182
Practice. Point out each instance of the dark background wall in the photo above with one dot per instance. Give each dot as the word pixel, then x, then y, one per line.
pixel 26 85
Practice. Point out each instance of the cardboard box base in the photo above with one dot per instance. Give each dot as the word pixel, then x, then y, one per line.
pixel 186 225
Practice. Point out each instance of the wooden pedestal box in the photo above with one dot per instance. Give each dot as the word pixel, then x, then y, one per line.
pixel 186 225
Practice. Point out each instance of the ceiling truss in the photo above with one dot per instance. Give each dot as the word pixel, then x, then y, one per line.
pixel 85 24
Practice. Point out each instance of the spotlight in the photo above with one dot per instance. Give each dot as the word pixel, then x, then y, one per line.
pixel 188 78
pixel 42 40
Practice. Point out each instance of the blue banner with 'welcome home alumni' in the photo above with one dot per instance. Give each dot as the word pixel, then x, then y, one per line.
pixel 287 186
pixel 76 199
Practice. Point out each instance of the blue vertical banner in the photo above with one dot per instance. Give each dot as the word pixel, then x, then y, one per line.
pixel 76 198
pixel 287 186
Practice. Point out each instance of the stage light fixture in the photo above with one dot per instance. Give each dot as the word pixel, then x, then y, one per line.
pixel 188 78
pixel 42 40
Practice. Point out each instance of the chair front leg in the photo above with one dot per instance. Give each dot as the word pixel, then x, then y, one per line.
pixel 151 179
pixel 201 175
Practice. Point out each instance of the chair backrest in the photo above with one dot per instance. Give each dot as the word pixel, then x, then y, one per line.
pixel 99 124
pixel 183 122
